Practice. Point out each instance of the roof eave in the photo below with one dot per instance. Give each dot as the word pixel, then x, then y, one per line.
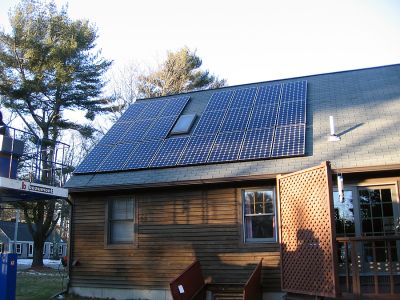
pixel 85 189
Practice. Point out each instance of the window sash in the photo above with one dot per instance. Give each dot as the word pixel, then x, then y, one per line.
pixel 121 221
pixel 259 217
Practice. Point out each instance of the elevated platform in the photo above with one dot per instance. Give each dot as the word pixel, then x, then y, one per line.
pixel 14 190
pixel 25 159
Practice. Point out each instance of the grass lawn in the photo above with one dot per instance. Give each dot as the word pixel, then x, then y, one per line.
pixel 40 285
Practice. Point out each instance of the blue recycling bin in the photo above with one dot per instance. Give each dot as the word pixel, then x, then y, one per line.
pixel 8 276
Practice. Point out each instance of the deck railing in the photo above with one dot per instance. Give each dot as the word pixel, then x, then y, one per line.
pixel 369 265
pixel 32 158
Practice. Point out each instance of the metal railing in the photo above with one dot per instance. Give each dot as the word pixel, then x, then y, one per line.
pixel 35 159
pixel 369 265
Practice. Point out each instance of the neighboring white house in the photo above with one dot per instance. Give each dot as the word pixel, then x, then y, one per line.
pixel 54 245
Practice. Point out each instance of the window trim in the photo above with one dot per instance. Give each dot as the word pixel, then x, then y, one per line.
pixel 254 241
pixel 128 245
pixel 2 247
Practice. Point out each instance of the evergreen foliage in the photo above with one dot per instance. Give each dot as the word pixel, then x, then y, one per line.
pixel 180 72
pixel 48 64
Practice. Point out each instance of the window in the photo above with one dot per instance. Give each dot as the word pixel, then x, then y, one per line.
pixel 376 211
pixel 1 247
pixel 18 248
pixel 368 211
pixel 259 216
pixel 344 214
pixel 183 125
pixel 121 212
pixel 30 249
pixel 51 249
pixel 60 250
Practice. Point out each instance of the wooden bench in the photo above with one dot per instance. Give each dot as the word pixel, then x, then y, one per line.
pixel 190 285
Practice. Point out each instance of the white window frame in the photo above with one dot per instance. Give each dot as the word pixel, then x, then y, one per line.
pixel 1 247
pixel 60 249
pixel 274 239
pixel 18 245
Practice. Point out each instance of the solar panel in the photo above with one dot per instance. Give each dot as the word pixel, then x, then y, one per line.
pixel 219 101
pixel 289 141
pixel 268 94
pixel 170 151
pixel 243 97
pixel 257 144
pixel 263 117
pixel 94 159
pixel 174 106
pixel 197 150
pixel 236 120
pixel 293 112
pixel 115 133
pixel 226 147
pixel 153 109
pixel 294 91
pixel 209 122
pixel 117 157
pixel 160 128
pixel 142 155
pixel 133 112
pixel 249 123
pixel 137 130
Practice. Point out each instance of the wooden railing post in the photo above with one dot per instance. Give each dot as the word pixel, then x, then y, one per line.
pixel 356 275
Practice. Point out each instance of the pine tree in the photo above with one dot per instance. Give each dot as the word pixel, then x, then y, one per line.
pixel 48 64
pixel 180 72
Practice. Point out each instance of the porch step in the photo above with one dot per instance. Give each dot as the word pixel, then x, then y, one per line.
pixel 227 292
pixel 228 296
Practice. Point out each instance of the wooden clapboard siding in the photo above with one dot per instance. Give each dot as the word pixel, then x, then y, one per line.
pixel 174 228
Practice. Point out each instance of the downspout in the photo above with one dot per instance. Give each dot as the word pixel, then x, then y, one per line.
pixel 70 244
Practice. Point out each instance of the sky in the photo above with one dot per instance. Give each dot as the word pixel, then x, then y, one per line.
pixel 245 41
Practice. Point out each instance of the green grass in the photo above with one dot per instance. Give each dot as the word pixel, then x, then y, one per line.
pixel 37 285
pixel 40 285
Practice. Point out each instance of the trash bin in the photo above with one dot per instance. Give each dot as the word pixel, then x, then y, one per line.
pixel 10 151
pixel 8 276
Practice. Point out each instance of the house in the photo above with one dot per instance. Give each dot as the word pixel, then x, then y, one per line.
pixel 233 175
pixel 53 246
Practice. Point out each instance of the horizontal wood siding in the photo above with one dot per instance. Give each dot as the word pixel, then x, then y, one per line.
pixel 174 228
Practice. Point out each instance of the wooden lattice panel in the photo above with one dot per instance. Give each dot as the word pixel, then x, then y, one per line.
pixel 306 232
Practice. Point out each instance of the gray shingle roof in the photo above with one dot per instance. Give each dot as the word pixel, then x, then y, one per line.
pixel 366 107
pixel 23 232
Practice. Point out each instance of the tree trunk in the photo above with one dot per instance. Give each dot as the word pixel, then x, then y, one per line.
pixel 38 247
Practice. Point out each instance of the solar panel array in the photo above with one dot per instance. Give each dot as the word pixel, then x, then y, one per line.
pixel 135 138
pixel 253 123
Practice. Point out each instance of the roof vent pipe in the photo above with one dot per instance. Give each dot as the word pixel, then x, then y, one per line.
pixel 333 137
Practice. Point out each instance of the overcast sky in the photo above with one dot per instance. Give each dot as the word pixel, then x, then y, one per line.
pixel 246 41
